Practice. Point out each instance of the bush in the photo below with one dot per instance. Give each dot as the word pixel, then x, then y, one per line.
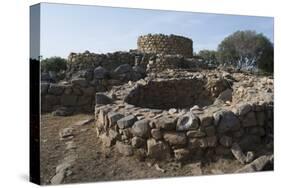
pixel 209 57
pixel 56 64
pixel 246 50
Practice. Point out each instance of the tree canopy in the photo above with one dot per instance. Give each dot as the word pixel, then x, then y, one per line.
pixel 53 64
pixel 209 56
pixel 246 50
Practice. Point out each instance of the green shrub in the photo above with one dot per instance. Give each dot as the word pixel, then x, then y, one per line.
pixel 53 64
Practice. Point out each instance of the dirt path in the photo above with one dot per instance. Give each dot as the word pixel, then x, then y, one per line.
pixel 96 163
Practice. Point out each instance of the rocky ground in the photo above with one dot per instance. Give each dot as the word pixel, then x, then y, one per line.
pixel 71 152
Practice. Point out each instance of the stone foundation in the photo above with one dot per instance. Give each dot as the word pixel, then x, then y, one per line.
pixel 168 118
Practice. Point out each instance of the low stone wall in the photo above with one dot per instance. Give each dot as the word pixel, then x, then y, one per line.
pixel 218 129
pixel 160 134
pixel 164 44
pixel 77 95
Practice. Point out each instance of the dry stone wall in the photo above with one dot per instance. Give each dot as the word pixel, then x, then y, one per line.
pixel 222 128
pixel 164 44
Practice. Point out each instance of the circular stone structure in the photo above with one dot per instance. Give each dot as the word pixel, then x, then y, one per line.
pixel 187 115
pixel 165 44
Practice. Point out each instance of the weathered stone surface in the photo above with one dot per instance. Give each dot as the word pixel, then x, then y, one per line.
pixel 211 141
pixel 226 95
pixel 100 73
pixel 63 111
pixel 106 140
pixel 175 138
pixel 257 165
pixel 206 119
pixel 166 123
pixel 122 69
pixel 242 109
pixel 55 89
pixel 69 100
pixel 249 119
pixel 103 99
pixel 79 81
pixel 156 134
pixel 182 154
pixel 44 88
pixel 197 143
pixel 187 122
pixel 126 122
pixel 158 149
pixel 66 132
pixel 138 142
pixel 238 153
pixel 89 91
pixel 84 100
pixel 210 130
pixel 226 121
pixel 226 141
pixel 113 117
pixel 124 149
pixel 141 128
pixel 195 134
pixel 58 178
pixel 260 118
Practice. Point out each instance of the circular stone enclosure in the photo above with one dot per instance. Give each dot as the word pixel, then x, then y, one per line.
pixel 184 93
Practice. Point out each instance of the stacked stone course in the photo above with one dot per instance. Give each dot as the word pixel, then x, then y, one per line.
pixel 165 44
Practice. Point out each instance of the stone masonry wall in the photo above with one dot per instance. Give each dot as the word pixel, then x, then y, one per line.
pixel 164 44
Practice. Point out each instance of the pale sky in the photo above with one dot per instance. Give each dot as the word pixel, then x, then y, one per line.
pixel 76 28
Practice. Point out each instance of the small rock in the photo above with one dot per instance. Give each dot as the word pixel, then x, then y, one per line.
pixel 172 111
pixel 157 167
pixel 226 95
pixel 257 165
pixel 126 122
pixel 182 154
pixel 84 122
pixel 195 134
pixel 187 122
pixel 141 128
pixel 113 117
pixel 156 134
pixel 138 142
pixel 58 178
pixel 124 149
pixel 66 132
pixel 158 149
pixel 238 153
pixel 175 138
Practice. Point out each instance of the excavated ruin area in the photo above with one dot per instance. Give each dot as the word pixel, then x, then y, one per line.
pixel 175 93
pixel 185 115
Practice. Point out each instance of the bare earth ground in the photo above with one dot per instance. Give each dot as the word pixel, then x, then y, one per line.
pixel 96 163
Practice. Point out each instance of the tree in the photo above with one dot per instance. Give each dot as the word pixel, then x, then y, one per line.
pixel 53 64
pixel 246 50
pixel 209 57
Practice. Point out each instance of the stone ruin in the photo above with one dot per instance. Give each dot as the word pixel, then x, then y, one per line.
pixel 159 102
